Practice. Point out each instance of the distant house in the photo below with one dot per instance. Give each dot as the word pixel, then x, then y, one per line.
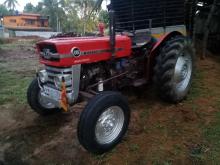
pixel 26 22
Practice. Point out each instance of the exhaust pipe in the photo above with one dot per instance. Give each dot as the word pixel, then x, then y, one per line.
pixel 112 31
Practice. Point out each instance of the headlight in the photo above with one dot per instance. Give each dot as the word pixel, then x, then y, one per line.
pixel 43 76
pixel 58 80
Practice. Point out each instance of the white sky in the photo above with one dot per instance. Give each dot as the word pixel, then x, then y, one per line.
pixel 22 3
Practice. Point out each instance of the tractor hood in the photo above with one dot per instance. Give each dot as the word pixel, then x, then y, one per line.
pixel 63 52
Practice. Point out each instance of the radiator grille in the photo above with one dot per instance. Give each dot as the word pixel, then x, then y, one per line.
pixel 53 72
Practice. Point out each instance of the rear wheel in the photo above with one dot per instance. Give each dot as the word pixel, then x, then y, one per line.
pixel 37 103
pixel 174 69
pixel 103 122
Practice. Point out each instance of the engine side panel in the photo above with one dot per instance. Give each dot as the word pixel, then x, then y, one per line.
pixel 63 52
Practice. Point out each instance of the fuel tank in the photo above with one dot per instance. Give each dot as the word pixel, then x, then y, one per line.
pixel 64 52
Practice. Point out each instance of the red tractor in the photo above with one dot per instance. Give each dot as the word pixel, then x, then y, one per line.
pixel 147 42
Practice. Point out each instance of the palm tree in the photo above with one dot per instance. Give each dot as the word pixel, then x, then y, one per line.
pixel 11 4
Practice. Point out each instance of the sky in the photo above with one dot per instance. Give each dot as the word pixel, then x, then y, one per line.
pixel 22 3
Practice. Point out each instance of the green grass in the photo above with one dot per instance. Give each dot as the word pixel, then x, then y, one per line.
pixel 133 147
pixel 212 135
pixel 13 87
pixel 197 86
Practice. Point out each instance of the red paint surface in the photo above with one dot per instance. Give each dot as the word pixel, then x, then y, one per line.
pixel 101 28
pixel 64 46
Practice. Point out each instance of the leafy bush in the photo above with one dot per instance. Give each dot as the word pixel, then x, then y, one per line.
pixel 2 41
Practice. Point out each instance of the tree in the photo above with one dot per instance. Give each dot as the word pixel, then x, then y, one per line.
pixel 3 10
pixel 84 8
pixel 104 16
pixel 55 11
pixel 29 8
pixel 207 27
pixel 11 4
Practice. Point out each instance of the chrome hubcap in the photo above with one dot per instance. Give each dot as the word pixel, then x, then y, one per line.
pixel 183 72
pixel 109 125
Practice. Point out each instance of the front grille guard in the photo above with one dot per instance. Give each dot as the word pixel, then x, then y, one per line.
pixel 72 89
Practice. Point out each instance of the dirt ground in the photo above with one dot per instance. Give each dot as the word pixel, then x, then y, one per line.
pixel 159 133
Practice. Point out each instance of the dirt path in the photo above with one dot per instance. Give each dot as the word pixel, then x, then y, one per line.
pixel 159 133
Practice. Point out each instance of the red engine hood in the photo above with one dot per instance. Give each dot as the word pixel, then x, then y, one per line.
pixel 61 51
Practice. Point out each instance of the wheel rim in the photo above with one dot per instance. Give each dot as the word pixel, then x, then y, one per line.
pixel 183 72
pixel 44 103
pixel 109 125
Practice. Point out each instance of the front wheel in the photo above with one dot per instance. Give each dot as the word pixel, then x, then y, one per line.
pixel 37 103
pixel 103 122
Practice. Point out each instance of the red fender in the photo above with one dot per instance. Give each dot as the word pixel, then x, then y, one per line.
pixel 163 39
pixel 155 49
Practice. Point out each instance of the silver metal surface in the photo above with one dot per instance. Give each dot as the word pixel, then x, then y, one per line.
pixel 76 74
pixel 45 102
pixel 72 82
pixel 183 72
pixel 109 125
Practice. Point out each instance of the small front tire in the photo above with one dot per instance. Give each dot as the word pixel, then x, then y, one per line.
pixel 103 122
pixel 37 103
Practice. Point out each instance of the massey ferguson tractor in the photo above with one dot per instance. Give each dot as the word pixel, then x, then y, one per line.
pixel 148 42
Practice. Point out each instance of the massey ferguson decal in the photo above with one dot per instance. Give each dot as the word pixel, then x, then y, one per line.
pixel 75 52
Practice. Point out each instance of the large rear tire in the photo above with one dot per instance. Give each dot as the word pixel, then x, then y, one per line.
pixel 174 69
pixel 37 103
pixel 103 122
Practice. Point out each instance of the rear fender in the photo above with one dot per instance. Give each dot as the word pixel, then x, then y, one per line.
pixel 162 40
pixel 156 49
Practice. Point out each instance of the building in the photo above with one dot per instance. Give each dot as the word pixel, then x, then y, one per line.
pixel 26 22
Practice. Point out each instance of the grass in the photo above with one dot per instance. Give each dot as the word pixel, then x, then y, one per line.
pixel 212 135
pixel 13 87
pixel 197 86
pixel 134 147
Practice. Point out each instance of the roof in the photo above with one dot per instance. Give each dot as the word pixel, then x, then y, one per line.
pixel 25 14
pixel 29 14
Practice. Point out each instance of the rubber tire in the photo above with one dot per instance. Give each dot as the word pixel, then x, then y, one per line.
pixel 90 115
pixel 32 98
pixel 165 65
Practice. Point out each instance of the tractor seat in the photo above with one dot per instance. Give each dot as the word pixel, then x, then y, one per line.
pixel 140 37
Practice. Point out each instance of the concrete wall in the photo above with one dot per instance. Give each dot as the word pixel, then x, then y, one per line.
pixel 35 33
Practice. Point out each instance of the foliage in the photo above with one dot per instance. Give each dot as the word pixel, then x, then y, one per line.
pixel 29 8
pixel 1 41
pixel 78 16
pixel 104 17
pixel 4 10
pixel 11 4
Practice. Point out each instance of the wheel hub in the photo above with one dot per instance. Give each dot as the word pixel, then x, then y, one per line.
pixel 109 125
pixel 183 72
